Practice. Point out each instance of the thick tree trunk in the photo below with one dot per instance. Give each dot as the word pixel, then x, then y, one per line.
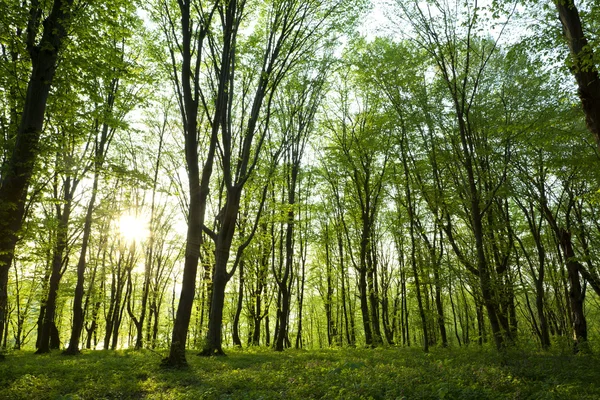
pixel 282 330
pixel 19 169
pixel 583 67
pixel 257 321
pixel 186 299
pixel 576 294
pixel 212 347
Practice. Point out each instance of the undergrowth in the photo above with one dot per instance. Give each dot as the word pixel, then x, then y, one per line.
pixel 386 373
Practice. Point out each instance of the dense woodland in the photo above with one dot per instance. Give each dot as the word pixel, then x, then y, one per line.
pixel 299 174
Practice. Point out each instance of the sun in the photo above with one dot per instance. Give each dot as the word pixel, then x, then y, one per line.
pixel 132 228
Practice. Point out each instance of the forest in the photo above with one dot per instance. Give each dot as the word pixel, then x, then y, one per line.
pixel 391 180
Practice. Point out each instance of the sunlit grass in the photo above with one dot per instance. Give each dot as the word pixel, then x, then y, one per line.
pixel 392 373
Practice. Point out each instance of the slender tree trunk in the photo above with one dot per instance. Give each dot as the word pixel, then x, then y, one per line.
pixel 413 245
pixel 238 309
pixel 212 346
pixel 328 290
pixel 81 265
pixel 404 317
pixel 63 215
pixel 454 314
pixel 301 281
pixel 485 279
pixel 480 324
pixel 440 307
pixel 349 336
pixel 285 279
pixel 373 296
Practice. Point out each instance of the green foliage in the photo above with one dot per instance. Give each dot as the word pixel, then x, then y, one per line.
pixel 390 373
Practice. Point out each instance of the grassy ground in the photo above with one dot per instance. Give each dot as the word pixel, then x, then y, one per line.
pixel 392 373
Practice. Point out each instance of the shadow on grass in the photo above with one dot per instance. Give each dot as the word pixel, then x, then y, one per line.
pixel 386 373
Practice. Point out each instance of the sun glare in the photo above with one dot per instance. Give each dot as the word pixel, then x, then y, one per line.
pixel 133 228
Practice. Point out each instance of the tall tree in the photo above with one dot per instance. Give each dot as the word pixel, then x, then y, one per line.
pixel 188 45
pixel 18 170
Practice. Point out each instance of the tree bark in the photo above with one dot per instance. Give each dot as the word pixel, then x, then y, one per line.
pixel 220 277
pixel 16 178
pixel 238 310
pixel 583 67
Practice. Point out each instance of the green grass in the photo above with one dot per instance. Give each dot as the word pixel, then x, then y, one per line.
pixel 390 373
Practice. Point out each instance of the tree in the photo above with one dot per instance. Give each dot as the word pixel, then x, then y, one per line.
pixel 583 64
pixel 17 171
pixel 189 46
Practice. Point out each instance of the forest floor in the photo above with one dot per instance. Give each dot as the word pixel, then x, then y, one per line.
pixel 387 373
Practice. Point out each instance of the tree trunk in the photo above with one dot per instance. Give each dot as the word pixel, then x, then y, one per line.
pixel 349 336
pixel 373 297
pixel 301 281
pixel 81 264
pixel 413 245
pixel 63 216
pixel 576 294
pixel 328 291
pixel 364 306
pixel 583 66
pixel 238 309
pixel 439 306
pixel 212 347
pixel 198 184
pixel 17 175
pixel 223 241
